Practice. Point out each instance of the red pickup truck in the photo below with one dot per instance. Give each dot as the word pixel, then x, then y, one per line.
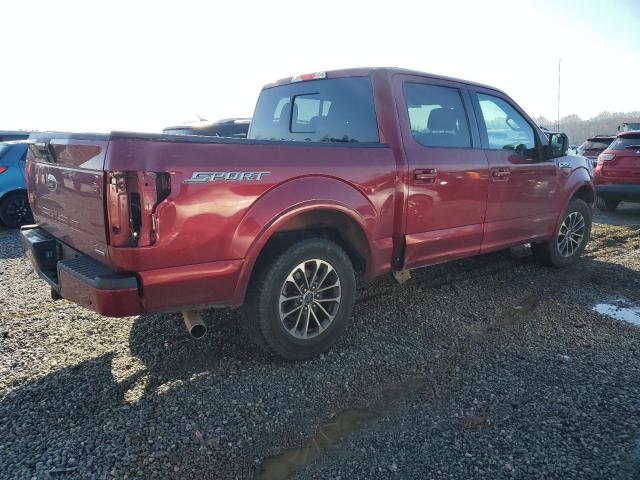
pixel 359 171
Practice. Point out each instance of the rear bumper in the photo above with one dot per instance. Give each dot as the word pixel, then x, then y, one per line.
pixel 629 192
pixel 81 279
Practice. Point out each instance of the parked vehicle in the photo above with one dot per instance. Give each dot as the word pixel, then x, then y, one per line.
pixel 353 171
pixel 230 127
pixel 14 208
pixel 8 135
pixel 594 146
pixel 617 174
pixel 629 127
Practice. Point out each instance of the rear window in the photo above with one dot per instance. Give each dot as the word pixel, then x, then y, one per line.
pixel 334 110
pixel 594 145
pixel 628 141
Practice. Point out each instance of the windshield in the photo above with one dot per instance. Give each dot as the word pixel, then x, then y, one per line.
pixel 625 142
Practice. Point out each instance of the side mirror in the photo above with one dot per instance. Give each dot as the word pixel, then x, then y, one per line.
pixel 557 145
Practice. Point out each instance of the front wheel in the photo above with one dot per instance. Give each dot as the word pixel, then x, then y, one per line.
pixel 301 300
pixel 570 240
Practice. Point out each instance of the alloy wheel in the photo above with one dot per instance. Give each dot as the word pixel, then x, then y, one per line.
pixel 18 210
pixel 571 234
pixel 309 299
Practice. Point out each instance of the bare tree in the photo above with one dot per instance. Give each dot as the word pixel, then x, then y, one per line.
pixel 578 130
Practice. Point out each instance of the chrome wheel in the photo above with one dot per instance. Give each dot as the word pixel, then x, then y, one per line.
pixel 571 234
pixel 309 299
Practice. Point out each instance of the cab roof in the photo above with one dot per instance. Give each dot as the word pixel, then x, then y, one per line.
pixel 366 71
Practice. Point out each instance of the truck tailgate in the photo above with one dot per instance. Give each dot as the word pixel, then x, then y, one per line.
pixel 66 189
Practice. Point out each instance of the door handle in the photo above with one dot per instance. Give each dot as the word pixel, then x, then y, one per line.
pixel 500 174
pixel 425 175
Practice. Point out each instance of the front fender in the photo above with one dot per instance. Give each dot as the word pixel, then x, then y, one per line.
pixel 578 178
pixel 288 200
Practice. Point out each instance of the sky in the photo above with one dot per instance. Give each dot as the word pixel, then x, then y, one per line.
pixel 96 66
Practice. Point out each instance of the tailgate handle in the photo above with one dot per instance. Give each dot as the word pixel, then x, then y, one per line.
pixel 426 175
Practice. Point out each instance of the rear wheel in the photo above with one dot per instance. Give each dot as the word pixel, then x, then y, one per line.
pixel 300 301
pixel 14 210
pixel 570 240
pixel 607 204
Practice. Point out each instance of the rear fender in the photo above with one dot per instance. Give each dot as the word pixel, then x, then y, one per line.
pixel 284 203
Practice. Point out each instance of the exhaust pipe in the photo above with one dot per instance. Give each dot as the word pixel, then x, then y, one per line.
pixel 194 324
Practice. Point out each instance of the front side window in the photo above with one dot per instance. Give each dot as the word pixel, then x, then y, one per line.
pixel 437 115
pixel 327 110
pixel 506 128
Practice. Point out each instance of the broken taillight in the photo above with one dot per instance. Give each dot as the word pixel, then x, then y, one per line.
pixel 132 198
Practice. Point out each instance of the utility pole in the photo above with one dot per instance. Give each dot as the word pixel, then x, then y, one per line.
pixel 558 125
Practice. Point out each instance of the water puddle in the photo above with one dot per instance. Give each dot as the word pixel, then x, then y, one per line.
pixel 620 309
pixel 284 465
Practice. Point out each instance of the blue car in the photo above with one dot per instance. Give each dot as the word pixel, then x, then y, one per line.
pixel 14 205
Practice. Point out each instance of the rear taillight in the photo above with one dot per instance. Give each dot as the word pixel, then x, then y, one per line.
pixel 605 157
pixel 3 169
pixel 131 201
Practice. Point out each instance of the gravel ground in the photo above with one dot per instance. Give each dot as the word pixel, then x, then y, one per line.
pixel 491 367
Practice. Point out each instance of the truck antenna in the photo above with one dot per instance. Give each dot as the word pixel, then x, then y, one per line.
pixel 559 60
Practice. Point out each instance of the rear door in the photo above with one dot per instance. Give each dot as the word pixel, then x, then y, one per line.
pixel 523 186
pixel 447 171
pixel 65 182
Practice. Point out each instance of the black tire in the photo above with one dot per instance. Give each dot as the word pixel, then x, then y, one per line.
pixel 549 252
pixel 262 309
pixel 607 204
pixel 14 210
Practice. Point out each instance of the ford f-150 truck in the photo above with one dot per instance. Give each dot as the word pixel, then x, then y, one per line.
pixel 359 171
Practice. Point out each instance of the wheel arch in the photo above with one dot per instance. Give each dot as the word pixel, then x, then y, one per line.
pixel 325 207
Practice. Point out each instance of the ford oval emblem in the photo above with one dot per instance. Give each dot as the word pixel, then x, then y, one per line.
pixel 52 183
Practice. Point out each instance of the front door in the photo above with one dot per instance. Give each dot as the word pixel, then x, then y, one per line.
pixel 523 185
pixel 447 178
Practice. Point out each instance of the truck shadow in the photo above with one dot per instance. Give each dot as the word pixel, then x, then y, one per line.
pixel 202 409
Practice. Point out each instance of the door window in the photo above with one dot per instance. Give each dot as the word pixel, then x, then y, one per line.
pixel 506 128
pixel 437 115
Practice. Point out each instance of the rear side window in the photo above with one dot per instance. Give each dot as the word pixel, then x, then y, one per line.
pixel 506 128
pixel 437 115
pixel 329 110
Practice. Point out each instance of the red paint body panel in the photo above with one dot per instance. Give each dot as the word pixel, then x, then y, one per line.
pixel 207 236
pixel 73 210
pixel 199 284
